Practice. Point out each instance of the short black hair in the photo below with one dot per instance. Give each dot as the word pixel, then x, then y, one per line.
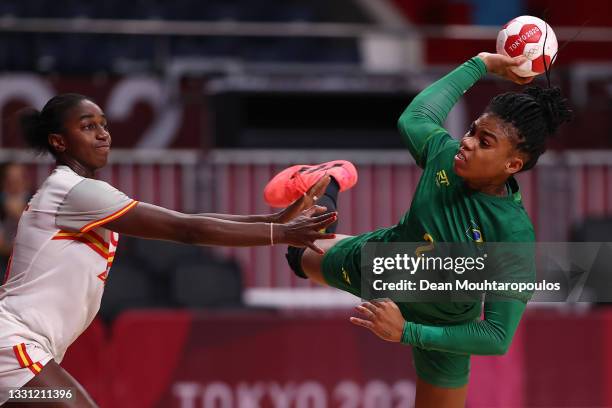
pixel 536 113
pixel 37 125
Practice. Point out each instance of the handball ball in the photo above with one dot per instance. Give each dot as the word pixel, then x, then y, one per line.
pixel 525 35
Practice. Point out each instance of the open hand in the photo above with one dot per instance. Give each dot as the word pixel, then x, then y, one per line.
pixel 383 318
pixel 305 201
pixel 305 229
pixel 500 65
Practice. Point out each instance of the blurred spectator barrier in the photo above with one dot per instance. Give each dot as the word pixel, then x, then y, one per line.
pixel 563 190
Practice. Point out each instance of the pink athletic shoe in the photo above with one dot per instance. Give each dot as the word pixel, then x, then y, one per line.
pixel 288 185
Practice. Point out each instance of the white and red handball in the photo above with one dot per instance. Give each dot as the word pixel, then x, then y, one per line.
pixel 525 35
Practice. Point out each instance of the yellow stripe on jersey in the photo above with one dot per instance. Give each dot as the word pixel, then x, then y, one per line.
pixel 79 236
pixel 110 218
pixel 102 247
pixel 22 357
pixel 85 238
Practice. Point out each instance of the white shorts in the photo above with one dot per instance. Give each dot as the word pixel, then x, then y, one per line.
pixel 19 364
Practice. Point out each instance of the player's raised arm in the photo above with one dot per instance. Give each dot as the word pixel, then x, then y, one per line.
pixel 421 122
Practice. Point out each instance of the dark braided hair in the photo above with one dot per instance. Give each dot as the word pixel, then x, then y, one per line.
pixel 37 125
pixel 536 113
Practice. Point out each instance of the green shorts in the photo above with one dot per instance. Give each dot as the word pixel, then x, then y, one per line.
pixel 341 270
pixel 441 369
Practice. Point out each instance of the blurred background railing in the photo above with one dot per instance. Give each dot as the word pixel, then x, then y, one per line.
pixel 577 182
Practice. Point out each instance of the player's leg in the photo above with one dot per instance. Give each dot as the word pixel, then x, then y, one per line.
pixel 292 182
pixel 429 395
pixel 288 185
pixel 441 378
pixel 53 376
pixel 307 263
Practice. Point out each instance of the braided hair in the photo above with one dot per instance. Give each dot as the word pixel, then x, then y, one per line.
pixel 37 125
pixel 536 113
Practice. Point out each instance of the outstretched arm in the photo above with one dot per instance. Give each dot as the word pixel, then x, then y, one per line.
pixel 490 336
pixel 294 225
pixel 285 215
pixel 93 203
pixel 153 222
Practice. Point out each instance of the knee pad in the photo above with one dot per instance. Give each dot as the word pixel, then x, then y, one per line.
pixel 294 259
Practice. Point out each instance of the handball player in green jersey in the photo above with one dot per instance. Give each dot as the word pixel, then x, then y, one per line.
pixel 465 185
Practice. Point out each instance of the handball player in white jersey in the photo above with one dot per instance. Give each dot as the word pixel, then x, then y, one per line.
pixel 68 234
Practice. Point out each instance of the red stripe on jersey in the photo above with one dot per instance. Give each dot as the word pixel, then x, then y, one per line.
pixel 111 256
pixel 84 241
pixel 35 368
pixel 87 237
pixel 98 238
pixel 110 218
pixel 103 276
pixel 22 362
pixel 27 356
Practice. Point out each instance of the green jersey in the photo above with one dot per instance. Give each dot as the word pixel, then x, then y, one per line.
pixel 444 209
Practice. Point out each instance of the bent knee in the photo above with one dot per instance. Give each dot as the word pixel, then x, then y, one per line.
pixel 312 266
pixel 312 262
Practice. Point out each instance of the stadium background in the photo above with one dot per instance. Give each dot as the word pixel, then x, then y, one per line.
pixel 207 99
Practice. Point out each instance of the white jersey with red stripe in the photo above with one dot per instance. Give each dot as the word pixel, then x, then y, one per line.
pixel 60 262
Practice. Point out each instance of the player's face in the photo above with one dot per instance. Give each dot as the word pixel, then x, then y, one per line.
pixel 487 155
pixel 85 135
